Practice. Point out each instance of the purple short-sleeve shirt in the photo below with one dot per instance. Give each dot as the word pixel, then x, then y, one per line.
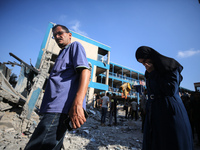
pixel 63 81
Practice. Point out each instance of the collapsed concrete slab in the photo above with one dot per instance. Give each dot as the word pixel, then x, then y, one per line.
pixel 8 92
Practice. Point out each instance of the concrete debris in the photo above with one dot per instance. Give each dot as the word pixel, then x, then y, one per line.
pixel 4 106
pixel 93 112
pixel 16 131
pixel 126 135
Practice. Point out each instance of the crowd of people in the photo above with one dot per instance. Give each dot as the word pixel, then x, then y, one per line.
pixel 104 103
pixel 108 106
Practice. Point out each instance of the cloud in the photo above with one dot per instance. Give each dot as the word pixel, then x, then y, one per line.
pixel 62 18
pixel 73 25
pixel 76 27
pixel 188 53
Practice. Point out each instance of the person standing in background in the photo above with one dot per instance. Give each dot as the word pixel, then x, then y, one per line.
pixel 104 108
pixel 113 110
pixel 134 106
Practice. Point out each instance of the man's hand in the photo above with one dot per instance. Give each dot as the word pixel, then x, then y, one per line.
pixel 77 116
pixel 76 112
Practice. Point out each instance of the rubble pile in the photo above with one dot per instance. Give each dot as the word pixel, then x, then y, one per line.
pixel 126 135
pixel 11 136
pixel 15 131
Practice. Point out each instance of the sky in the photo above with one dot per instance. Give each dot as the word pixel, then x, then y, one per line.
pixel 172 27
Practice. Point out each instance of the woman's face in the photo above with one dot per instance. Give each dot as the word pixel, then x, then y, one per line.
pixel 147 63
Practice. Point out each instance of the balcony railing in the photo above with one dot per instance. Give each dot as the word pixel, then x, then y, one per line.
pixel 129 79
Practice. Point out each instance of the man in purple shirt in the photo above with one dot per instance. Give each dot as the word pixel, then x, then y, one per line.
pixel 64 95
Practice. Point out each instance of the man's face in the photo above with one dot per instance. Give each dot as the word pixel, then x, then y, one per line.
pixel 62 38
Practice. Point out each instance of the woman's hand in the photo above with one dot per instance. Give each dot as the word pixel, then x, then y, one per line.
pixel 147 63
pixel 149 66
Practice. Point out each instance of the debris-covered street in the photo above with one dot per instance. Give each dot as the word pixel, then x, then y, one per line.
pixel 126 135
pixel 91 136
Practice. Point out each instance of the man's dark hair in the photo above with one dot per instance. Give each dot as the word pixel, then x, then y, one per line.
pixel 63 27
pixel 107 94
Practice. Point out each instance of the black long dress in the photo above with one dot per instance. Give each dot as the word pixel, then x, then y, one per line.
pixel 167 126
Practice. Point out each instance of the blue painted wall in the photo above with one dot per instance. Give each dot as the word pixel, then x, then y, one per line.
pixel 94 84
pixel 32 101
pixel 98 86
pixel 98 63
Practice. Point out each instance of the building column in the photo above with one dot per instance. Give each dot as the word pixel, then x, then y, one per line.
pixel 113 69
pixel 107 71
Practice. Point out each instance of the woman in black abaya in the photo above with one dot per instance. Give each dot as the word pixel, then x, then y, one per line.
pixel 167 126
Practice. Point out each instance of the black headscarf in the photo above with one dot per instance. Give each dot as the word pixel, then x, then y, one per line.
pixel 161 63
